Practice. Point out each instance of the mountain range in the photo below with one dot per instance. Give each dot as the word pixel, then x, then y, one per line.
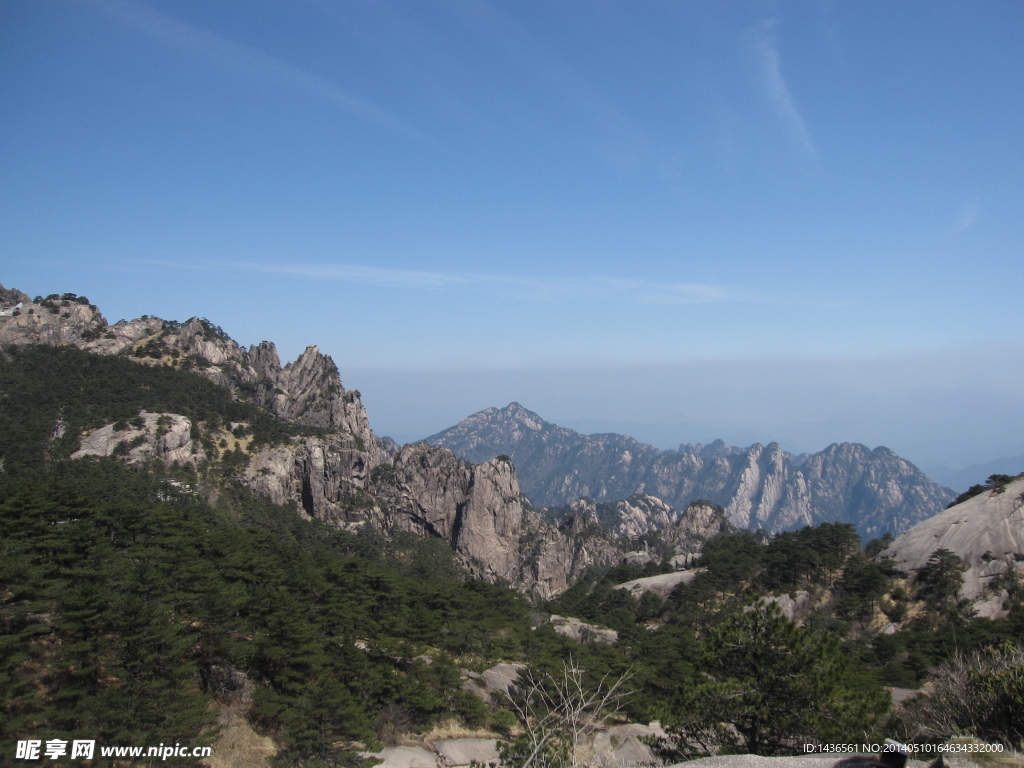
pixel 760 487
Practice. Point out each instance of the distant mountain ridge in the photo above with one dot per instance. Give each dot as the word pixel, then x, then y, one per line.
pixel 759 486
pixel 962 479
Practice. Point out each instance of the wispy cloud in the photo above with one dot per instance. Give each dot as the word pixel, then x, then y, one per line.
pixel 539 288
pixel 639 290
pixel 769 62
pixel 208 46
pixel 603 127
pixel 968 218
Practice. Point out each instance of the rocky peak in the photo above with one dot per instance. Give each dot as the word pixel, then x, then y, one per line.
pixel 699 522
pixel 514 413
pixel 479 511
pixel 12 296
pixel 264 360
pixel 55 320
pixel 637 515
pixel 499 431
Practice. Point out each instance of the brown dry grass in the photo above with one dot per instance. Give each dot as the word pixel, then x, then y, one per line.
pixel 447 729
pixel 238 745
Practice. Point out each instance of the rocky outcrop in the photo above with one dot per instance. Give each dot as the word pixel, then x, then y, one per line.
pixel 583 633
pixel 622 745
pixel 629 518
pixel 759 486
pixel 163 436
pixel 985 531
pixel 479 511
pixel 699 522
pixel 54 322
pixel 468 752
pixel 9 297
pixel 661 585
pixel 328 478
pixel 493 682
pixel 794 606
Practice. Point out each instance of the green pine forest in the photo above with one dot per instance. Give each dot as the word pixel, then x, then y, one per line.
pixel 130 605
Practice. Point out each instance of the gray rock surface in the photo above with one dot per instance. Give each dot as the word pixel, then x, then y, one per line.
pixel 582 632
pixel 321 475
pixel 622 745
pixel 495 680
pixel 986 531
pixel 637 515
pixel 698 522
pixel 11 296
pixel 164 436
pixel 454 752
pixel 403 757
pixel 661 585
pixel 62 323
pixel 794 607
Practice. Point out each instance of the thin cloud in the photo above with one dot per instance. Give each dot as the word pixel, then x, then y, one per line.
pixel 968 217
pixel 640 291
pixel 776 89
pixel 209 46
pixel 360 275
pixel 603 127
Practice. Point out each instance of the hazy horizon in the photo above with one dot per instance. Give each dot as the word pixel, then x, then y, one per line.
pixel 955 426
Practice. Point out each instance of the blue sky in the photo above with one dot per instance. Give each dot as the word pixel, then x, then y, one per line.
pixel 796 221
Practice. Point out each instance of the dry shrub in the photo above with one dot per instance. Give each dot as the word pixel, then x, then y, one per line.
pixel 980 694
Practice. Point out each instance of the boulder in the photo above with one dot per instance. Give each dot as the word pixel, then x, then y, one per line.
pixel 582 632
pixel 483 752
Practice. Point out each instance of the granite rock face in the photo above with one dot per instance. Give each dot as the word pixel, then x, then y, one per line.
pixel 475 508
pixel 986 532
pixel 583 633
pixel 479 511
pixel 326 477
pixel 698 522
pixel 57 323
pixel 9 297
pixel 493 682
pixel 759 486
pixel 661 585
pixel 163 436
